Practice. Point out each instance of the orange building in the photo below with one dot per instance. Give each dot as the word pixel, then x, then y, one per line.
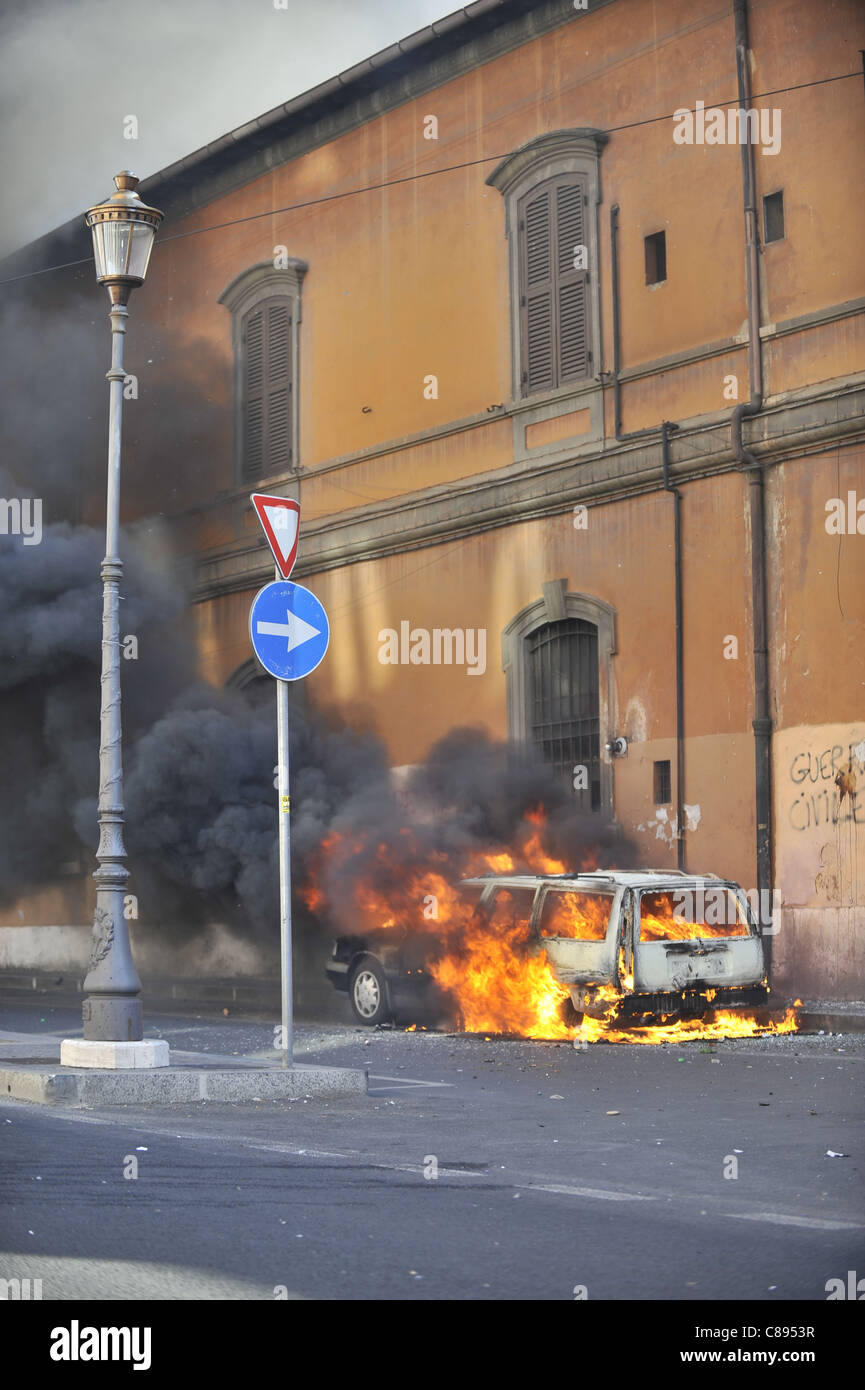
pixel 570 390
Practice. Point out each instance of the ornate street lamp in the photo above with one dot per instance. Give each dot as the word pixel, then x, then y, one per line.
pixel 123 231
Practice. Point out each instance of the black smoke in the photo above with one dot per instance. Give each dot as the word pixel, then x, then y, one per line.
pixel 199 762
pixel 50 655
pixel 473 796
pixel 200 765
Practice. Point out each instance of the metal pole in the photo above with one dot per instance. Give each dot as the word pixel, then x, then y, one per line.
pixel 284 870
pixel 112 1011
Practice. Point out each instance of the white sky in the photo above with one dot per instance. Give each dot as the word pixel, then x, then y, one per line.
pixel 190 70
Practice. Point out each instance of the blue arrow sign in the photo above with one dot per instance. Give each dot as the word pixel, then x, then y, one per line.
pixel 289 630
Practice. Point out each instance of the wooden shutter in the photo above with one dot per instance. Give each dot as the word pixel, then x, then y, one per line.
pixel 253 394
pixel 537 294
pixel 553 294
pixel 267 389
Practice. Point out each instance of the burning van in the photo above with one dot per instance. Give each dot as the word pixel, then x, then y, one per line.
pixel 630 945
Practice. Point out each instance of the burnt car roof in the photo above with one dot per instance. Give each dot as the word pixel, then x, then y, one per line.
pixel 605 878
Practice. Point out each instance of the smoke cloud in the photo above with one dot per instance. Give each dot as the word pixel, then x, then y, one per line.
pixel 200 766
pixel 199 763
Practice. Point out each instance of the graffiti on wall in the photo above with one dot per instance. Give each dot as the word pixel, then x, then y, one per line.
pixel 820 807
pixel 828 786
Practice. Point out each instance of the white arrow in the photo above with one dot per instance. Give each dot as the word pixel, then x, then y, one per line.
pixel 294 628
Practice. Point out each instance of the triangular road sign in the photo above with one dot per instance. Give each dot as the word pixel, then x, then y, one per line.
pixel 280 521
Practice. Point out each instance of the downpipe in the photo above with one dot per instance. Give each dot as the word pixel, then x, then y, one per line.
pixel 676 495
pixel 754 471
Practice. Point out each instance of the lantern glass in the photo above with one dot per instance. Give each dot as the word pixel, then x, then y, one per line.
pixel 122 248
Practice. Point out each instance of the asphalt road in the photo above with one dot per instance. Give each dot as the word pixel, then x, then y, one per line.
pixel 474 1169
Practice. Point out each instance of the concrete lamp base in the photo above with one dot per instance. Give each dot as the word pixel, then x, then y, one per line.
pixel 113 1056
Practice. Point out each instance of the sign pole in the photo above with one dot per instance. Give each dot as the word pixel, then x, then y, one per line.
pixel 284 872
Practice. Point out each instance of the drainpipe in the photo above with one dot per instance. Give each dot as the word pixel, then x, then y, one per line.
pixel 762 723
pixel 667 428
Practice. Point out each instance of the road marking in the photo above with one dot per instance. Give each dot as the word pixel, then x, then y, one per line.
pixel 598 1192
pixel 408 1081
pixel 231 1141
pixel 809 1223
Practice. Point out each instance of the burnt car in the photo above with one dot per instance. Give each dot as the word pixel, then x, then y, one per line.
pixel 644 944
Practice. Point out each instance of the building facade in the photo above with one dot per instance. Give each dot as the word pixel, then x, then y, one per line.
pixel 570 390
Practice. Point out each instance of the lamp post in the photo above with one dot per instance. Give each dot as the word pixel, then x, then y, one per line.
pixel 123 231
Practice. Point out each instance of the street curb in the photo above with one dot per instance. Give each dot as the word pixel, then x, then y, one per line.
pixel 50 1085
pixel 830 1023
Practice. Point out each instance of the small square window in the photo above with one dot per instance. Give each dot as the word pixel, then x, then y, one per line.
pixel 773 217
pixel 656 258
pixel 663 788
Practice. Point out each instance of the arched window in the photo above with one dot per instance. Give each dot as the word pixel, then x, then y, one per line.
pixel 258 687
pixel 551 187
pixel 557 656
pixel 265 307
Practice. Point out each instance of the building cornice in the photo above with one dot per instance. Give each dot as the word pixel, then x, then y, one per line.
pixel 787 428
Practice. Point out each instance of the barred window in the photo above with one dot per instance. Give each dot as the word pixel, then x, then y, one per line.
pixel 564 713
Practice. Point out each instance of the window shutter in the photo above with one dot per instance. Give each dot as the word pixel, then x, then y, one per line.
pixel 537 295
pixel 573 360
pixel 267 389
pixel 278 387
pixel 553 293
pixel 253 394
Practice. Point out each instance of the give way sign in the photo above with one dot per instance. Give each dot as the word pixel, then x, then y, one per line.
pixel 280 521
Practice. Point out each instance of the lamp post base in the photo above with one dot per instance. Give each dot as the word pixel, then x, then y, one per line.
pixel 112 1018
pixel 114 1056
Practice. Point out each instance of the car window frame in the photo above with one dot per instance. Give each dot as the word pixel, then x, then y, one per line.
pixel 696 884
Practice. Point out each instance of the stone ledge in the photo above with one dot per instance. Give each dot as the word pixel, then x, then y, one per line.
pixel 45 1083
pixel 788 427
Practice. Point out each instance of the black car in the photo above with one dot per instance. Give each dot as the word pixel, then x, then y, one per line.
pixel 384 975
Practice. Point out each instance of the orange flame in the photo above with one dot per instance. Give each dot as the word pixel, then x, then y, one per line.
pixel 499 977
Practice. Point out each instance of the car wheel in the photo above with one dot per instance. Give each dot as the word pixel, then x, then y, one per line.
pixel 367 991
pixel 571 1017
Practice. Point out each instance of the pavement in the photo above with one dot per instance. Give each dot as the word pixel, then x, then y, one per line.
pixel 31 1070
pixel 473 1169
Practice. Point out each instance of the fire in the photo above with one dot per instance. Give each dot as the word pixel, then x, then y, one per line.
pixel 497 974
pixel 721 1023
pixel 499 863
pixel 659 921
